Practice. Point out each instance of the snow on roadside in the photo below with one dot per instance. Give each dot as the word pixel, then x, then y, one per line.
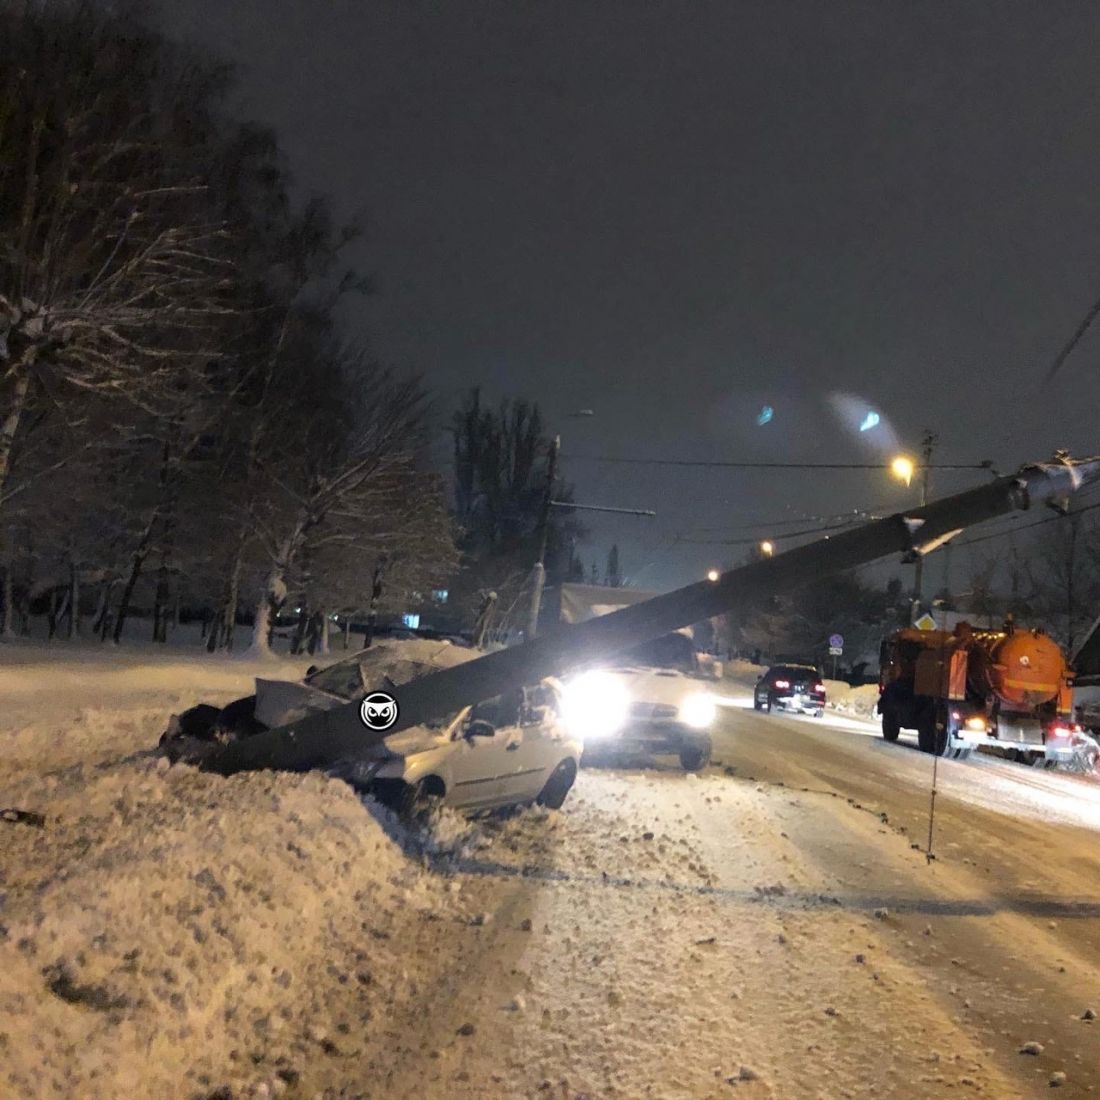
pixel 856 702
pixel 169 932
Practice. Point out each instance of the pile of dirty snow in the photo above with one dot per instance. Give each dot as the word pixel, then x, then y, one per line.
pixel 169 932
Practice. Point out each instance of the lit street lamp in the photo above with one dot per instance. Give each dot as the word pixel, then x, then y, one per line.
pixel 902 468
pixel 712 575
pixel 767 548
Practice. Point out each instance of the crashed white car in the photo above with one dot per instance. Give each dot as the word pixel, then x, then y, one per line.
pixel 510 750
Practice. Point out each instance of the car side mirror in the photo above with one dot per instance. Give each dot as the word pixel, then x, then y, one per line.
pixel 479 728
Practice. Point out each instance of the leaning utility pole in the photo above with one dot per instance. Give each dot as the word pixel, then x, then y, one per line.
pixel 323 738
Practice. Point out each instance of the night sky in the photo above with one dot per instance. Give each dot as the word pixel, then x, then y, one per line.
pixel 674 214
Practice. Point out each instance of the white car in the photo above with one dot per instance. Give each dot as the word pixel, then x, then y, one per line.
pixel 649 700
pixel 510 750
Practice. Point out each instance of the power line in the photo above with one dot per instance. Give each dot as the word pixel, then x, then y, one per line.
pixel 1073 341
pixel 1028 526
pixel 832 529
pixel 852 514
pixel 738 465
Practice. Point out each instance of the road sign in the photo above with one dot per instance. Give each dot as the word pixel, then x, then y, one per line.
pixel 835 650
pixel 925 622
pixel 837 641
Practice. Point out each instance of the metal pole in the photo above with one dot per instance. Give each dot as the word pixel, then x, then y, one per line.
pixel 538 575
pixel 325 737
pixel 928 443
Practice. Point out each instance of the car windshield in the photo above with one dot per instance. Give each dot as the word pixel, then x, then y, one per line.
pixel 674 651
pixel 342 679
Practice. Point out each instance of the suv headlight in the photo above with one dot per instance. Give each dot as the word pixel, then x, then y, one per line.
pixel 698 711
pixel 595 704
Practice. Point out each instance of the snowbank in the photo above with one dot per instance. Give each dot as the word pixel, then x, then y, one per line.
pixel 169 932
pixel 857 702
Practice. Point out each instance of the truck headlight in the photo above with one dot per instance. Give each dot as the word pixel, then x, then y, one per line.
pixel 698 711
pixel 595 704
pixel 975 723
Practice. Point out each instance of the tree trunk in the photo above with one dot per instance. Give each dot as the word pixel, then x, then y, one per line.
pixel 9 428
pixel 267 607
pixel 51 615
pixel 102 607
pixel 7 628
pixel 300 631
pixel 141 552
pixel 324 639
pixel 73 630
pixel 229 615
pixel 273 595
pixel 375 596
pixel 347 630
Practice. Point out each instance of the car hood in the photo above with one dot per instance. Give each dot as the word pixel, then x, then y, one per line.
pixel 411 741
pixel 281 701
pixel 653 685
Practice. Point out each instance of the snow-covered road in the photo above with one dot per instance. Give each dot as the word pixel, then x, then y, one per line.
pixel 769 928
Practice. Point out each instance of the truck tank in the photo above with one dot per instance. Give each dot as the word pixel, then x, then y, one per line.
pixel 1023 669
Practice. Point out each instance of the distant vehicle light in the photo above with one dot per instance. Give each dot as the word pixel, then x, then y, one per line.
pixel 1064 729
pixel 976 723
pixel 698 711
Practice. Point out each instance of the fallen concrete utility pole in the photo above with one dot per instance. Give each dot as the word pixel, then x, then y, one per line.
pixel 324 738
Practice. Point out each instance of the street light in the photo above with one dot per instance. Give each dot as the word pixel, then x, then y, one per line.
pixel 767 548
pixel 712 575
pixel 903 468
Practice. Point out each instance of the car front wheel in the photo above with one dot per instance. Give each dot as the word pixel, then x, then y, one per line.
pixel 558 786
pixel 694 758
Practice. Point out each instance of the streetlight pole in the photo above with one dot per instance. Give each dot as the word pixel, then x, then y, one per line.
pixel 538 577
pixel 928 443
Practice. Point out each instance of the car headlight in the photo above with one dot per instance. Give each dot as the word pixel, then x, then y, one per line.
pixel 698 711
pixel 595 704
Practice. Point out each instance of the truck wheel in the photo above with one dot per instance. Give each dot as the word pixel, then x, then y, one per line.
pixel 891 727
pixel 926 730
pixel 694 758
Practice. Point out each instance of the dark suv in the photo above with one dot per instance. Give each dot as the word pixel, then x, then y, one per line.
pixel 790 687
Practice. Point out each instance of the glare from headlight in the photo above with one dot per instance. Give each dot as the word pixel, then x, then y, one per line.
pixel 595 704
pixel 698 711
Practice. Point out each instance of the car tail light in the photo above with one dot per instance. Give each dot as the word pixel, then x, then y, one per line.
pixel 782 683
pixel 1064 729
pixel 817 687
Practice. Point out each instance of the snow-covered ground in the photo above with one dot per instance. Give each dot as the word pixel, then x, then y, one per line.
pixel 174 934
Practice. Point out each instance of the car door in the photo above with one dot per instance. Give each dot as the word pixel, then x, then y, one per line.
pixel 480 764
pixel 534 746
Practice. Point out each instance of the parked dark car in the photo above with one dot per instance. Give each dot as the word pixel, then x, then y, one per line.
pixel 790 687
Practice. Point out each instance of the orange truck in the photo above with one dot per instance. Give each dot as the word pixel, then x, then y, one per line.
pixel 1010 690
